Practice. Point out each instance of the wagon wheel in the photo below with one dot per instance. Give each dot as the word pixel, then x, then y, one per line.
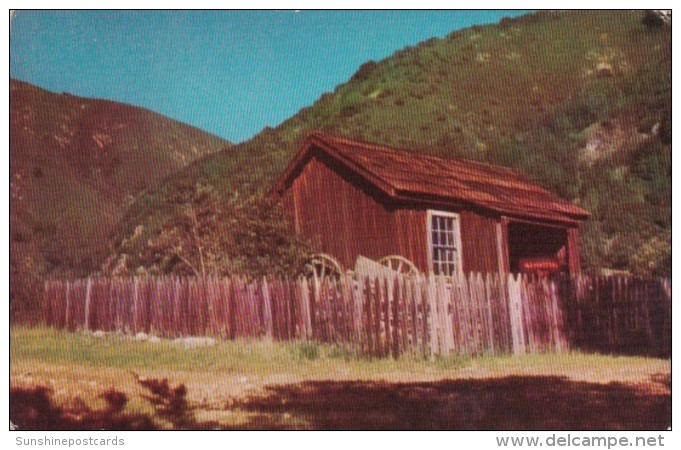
pixel 399 264
pixel 322 265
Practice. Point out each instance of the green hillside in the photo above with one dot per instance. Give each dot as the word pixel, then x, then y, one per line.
pixel 75 165
pixel 578 101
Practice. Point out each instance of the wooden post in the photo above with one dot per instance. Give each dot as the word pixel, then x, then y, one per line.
pixel 67 313
pixel 413 305
pixel 231 301
pixel 478 312
pixel 47 304
pixel 369 295
pixel 254 320
pixel 526 306
pixel 467 313
pixel 456 320
pixel 348 306
pixel 403 313
pixel 504 321
pixel 515 314
pixel 396 317
pixel 378 299
pixel 334 300
pixel 445 324
pixel 88 291
pixel 556 319
pixel 135 306
pixel 422 301
pixel 421 314
pixel 357 290
pixel 291 308
pixel 305 299
pixel 434 319
pixel 490 319
pixel 267 309
pixel 387 298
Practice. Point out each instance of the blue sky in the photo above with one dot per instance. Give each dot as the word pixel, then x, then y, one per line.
pixel 229 72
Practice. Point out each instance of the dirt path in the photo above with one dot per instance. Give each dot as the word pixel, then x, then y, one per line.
pixel 482 395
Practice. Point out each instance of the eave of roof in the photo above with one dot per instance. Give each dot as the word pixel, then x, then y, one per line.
pixel 314 141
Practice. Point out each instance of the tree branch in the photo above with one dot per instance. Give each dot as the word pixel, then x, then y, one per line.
pixel 186 261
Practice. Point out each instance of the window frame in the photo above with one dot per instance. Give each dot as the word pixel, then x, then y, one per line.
pixel 456 229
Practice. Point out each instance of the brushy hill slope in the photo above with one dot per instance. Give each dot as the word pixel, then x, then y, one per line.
pixel 75 164
pixel 578 101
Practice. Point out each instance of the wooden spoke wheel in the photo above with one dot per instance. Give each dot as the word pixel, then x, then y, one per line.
pixel 399 264
pixel 322 265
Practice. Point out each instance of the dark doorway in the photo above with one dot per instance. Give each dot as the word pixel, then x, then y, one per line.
pixel 535 248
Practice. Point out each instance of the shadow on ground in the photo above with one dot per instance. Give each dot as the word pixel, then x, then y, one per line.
pixel 34 408
pixel 510 403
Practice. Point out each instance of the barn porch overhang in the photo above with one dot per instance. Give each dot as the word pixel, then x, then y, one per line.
pixel 407 199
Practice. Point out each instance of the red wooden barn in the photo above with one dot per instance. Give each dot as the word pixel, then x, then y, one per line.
pixel 444 215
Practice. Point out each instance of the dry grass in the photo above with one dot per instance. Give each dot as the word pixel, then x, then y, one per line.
pixel 236 384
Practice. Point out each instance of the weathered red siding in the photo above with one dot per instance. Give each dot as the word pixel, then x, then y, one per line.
pixel 343 213
pixel 479 242
pixel 412 241
pixel 349 218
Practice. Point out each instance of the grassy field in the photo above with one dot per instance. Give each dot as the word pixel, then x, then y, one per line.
pixel 301 385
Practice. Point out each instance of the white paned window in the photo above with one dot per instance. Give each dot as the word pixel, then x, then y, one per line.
pixel 444 243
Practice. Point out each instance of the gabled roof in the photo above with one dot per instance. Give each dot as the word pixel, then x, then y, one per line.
pixel 408 176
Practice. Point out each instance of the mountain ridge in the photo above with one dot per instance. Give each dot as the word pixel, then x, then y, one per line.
pixel 75 164
pixel 578 101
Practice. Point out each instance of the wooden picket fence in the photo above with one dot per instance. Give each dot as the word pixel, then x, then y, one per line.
pixel 382 316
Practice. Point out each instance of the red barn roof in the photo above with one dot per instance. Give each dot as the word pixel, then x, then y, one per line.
pixel 408 176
